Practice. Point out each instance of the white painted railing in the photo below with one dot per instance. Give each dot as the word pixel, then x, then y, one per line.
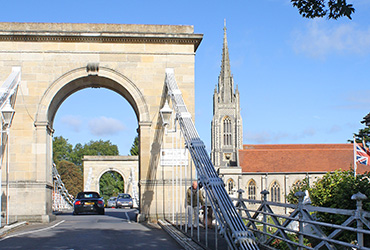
pixel 62 200
pixel 300 229
pixel 229 223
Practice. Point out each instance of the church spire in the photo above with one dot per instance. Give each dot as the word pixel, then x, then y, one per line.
pixel 225 80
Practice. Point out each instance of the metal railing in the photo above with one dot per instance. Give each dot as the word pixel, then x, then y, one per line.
pixel 300 228
pixel 62 200
pixel 229 223
pixel 8 89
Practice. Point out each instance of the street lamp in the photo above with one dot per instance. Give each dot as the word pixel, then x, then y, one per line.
pixel 7 114
pixel 166 113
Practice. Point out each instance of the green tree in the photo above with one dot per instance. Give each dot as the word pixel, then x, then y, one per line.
pixel 301 185
pixel 363 134
pixel 335 190
pixel 71 176
pixel 135 147
pixel 93 148
pixel 332 9
pixel 111 184
pixel 69 160
pixel 62 150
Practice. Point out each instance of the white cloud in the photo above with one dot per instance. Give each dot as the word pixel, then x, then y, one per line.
pixel 277 137
pixel 265 137
pixel 73 122
pixel 103 126
pixel 335 129
pixel 320 39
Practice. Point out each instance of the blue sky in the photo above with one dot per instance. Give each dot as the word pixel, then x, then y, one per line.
pixel 300 80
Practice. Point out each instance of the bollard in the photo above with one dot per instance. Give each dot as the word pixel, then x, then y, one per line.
pixel 359 197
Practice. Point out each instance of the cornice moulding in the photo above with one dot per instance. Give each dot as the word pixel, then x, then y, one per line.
pixel 175 35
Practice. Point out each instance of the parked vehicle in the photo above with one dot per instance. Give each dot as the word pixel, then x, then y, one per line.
pixel 124 200
pixel 88 202
pixel 112 202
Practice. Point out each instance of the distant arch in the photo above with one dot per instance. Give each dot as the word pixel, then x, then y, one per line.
pixel 106 171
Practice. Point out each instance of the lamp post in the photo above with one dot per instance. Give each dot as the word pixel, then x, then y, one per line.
pixel 7 114
pixel 166 113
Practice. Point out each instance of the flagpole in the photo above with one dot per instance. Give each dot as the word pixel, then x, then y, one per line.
pixel 354 155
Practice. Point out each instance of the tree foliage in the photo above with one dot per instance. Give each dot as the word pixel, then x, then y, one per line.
pixel 334 190
pixel 332 9
pixel 93 148
pixel 62 150
pixel 301 185
pixel 71 176
pixel 111 184
pixel 135 147
pixel 69 162
pixel 363 135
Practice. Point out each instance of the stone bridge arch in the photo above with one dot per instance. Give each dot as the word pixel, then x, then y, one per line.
pixel 58 59
pixel 91 76
pixel 84 77
pixel 96 166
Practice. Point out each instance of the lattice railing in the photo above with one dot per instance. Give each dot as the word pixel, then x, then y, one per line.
pixel 61 198
pixel 299 229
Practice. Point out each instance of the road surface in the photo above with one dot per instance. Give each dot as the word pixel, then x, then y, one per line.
pixel 116 229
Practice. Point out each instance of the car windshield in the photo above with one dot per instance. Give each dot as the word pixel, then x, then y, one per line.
pixel 88 195
pixel 124 196
pixel 112 199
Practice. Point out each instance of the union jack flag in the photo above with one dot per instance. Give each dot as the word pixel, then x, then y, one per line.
pixel 362 156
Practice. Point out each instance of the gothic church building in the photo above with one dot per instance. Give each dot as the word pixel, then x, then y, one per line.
pixel 255 168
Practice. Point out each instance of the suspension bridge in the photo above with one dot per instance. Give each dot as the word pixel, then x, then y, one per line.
pixel 58 60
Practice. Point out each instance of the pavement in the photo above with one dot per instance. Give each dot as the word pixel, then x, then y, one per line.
pixel 12 227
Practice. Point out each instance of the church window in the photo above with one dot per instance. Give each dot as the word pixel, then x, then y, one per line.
pixel 275 192
pixel 227 131
pixel 230 186
pixel 252 190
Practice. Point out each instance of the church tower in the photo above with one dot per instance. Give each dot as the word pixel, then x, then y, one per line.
pixel 226 127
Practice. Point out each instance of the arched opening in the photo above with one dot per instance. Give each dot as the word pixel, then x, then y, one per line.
pixel 111 183
pixel 77 80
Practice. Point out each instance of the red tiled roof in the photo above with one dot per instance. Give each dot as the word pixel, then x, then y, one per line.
pixel 286 158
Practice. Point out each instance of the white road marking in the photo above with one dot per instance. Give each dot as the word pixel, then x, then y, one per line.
pixel 30 232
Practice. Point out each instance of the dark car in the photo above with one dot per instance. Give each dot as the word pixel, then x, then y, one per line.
pixel 124 200
pixel 88 202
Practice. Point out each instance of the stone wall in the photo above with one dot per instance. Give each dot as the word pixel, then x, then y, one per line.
pixel 60 59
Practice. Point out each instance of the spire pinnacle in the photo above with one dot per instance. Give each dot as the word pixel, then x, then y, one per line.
pixel 225 78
